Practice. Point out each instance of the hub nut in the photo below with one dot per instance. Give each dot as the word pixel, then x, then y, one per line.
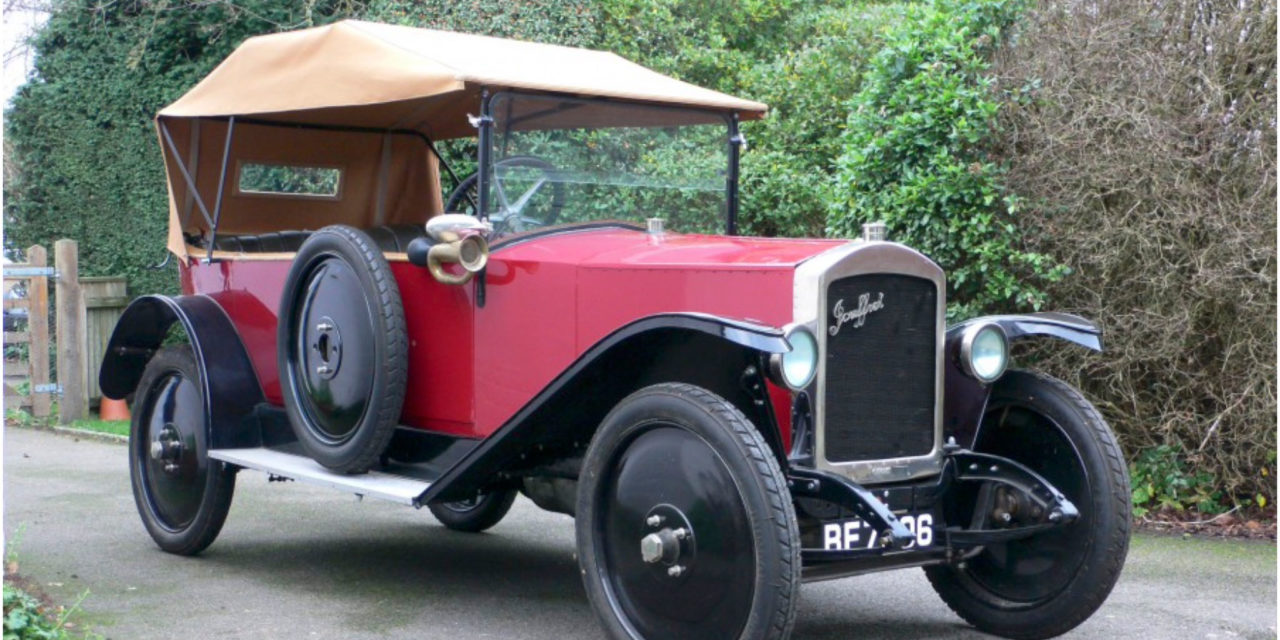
pixel 651 548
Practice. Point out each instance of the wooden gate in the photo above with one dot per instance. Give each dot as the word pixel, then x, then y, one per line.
pixel 27 347
pixel 26 342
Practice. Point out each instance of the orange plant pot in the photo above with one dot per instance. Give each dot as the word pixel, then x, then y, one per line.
pixel 113 410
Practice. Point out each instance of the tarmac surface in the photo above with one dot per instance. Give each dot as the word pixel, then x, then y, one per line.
pixel 295 561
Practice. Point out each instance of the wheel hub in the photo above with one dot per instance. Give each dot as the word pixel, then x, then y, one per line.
pixel 166 448
pixel 327 348
pixel 333 384
pixel 668 546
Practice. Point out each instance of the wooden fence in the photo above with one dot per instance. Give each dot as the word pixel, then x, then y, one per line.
pixel 104 301
pixel 86 313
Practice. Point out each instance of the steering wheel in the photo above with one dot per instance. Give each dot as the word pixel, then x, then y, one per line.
pixel 509 217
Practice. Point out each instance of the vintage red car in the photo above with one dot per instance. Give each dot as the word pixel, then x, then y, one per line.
pixel 724 416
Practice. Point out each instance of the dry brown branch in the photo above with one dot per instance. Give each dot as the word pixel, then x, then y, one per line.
pixel 1147 156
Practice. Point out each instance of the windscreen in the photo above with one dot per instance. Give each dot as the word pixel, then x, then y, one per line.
pixel 563 161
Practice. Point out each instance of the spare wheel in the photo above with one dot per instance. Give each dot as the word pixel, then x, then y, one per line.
pixel 342 349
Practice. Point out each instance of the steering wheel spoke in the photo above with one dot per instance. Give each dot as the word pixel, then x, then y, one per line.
pixel 512 216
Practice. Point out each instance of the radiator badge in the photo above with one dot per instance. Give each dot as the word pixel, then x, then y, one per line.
pixel 857 316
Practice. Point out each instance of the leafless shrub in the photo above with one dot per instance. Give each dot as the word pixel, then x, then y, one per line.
pixel 1143 137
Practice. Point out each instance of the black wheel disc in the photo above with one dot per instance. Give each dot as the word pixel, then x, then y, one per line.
pixel 330 371
pixel 1034 569
pixel 667 477
pixel 342 349
pixel 171 450
pixel 182 495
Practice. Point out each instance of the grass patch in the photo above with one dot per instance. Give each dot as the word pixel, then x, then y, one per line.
pixel 114 427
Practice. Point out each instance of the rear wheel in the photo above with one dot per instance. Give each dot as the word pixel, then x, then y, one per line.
pixel 474 514
pixel 1046 585
pixel 182 495
pixel 684 523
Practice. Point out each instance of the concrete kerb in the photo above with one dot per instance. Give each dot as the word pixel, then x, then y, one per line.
pixel 91 435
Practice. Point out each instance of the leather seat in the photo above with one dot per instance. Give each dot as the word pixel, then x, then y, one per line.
pixel 270 242
pixel 395 238
pixel 392 238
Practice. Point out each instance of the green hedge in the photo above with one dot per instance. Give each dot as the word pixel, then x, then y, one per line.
pixel 915 156
pixel 82 158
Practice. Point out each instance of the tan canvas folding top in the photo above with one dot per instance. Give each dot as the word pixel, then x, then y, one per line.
pixel 377 78
pixel 378 75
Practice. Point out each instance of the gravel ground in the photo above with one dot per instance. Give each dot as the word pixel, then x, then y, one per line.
pixel 300 562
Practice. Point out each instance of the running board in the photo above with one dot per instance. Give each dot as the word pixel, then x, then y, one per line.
pixel 374 484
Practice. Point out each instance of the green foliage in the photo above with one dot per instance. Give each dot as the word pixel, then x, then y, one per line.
pixel 1163 480
pixel 84 161
pixel 266 178
pixel 111 427
pixel 82 157
pixel 26 619
pixel 25 616
pixel 914 155
pixel 801 58
pixel 565 22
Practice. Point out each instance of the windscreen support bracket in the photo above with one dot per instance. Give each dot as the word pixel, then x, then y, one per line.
pixel 736 142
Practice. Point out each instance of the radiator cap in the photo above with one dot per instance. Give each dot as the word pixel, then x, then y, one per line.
pixel 873 231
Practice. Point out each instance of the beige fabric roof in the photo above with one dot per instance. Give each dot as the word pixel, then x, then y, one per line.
pixel 377 75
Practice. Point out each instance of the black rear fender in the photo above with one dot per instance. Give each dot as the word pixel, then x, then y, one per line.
pixel 231 388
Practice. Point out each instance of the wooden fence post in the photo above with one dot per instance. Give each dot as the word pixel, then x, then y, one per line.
pixel 70 327
pixel 38 327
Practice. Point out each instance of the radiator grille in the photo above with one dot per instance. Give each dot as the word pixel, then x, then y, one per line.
pixel 880 367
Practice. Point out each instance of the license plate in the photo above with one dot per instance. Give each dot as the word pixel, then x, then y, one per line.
pixel 847 535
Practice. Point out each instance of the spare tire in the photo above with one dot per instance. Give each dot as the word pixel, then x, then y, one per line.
pixel 342 349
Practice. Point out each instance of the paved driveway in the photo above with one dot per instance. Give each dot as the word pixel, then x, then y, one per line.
pixel 300 562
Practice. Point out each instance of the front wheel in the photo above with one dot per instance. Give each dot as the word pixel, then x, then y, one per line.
pixel 684 524
pixel 1046 585
pixel 182 495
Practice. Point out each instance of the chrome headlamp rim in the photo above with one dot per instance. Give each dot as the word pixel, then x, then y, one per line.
pixel 775 360
pixel 967 339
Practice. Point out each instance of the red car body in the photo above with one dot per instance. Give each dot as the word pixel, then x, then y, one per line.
pixel 723 416
pixel 568 289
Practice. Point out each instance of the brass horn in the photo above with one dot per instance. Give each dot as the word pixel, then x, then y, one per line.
pixel 458 239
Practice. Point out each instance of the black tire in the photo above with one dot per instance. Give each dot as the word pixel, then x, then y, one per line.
pixel 182 495
pixel 1048 584
pixel 477 514
pixel 671 457
pixel 344 403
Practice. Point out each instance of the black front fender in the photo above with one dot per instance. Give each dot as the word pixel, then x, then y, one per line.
pixel 966 398
pixel 722 355
pixel 1065 326
pixel 227 377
